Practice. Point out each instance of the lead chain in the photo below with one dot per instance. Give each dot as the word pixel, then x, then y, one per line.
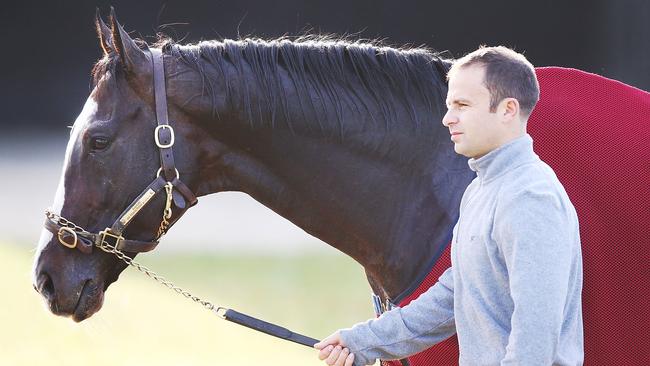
pixel 153 275
pixel 64 222
pixel 108 248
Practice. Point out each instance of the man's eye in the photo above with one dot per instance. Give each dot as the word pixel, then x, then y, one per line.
pixel 98 143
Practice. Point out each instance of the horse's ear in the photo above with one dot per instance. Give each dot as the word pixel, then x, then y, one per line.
pixel 103 32
pixel 131 56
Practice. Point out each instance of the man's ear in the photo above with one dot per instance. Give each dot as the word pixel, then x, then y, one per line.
pixel 509 109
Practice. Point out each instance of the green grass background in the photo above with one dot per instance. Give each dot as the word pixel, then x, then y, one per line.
pixel 144 323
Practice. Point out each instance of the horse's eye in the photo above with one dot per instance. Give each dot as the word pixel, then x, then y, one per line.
pixel 98 143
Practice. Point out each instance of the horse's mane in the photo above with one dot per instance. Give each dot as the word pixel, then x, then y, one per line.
pixel 354 74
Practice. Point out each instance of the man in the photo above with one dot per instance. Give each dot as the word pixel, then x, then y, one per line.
pixel 513 292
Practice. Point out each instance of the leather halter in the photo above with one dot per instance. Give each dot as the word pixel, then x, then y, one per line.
pixel 167 180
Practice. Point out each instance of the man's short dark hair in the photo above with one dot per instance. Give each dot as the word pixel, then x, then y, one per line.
pixel 508 74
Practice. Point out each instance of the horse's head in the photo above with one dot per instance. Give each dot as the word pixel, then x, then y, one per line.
pixel 111 163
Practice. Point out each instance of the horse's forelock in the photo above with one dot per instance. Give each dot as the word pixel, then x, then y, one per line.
pixel 103 66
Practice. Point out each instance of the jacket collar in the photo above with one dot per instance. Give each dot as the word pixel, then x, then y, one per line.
pixel 504 158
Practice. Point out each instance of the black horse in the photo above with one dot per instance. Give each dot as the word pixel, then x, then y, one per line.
pixel 345 140
pixel 342 138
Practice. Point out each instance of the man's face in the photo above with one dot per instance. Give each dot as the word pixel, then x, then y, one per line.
pixel 474 130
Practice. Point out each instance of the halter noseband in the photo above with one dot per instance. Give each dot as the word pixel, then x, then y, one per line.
pixel 167 179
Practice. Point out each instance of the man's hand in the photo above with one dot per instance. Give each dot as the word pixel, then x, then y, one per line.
pixel 334 352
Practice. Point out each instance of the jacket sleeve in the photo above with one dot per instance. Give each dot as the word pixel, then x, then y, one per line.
pixel 401 332
pixel 536 232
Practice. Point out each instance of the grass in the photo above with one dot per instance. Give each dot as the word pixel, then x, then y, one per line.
pixel 143 323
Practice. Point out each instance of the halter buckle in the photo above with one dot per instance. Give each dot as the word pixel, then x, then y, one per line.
pixel 61 235
pixel 107 232
pixel 156 135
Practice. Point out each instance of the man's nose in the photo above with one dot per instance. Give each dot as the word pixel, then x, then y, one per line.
pixel 448 119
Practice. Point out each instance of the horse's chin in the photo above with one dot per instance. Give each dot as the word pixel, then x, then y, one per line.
pixel 90 301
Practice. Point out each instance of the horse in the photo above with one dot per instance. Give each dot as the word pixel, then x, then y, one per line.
pixel 342 138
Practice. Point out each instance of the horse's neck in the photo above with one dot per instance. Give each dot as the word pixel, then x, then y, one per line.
pixel 386 198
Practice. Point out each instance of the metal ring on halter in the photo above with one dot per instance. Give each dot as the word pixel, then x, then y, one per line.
pixel 160 170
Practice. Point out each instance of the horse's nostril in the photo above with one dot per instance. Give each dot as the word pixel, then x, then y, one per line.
pixel 45 286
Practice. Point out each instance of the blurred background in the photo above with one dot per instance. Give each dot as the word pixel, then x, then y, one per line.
pixel 230 248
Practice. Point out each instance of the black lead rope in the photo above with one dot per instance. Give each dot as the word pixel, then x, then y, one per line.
pixel 266 327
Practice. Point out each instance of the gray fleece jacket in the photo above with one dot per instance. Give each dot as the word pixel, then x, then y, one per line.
pixel 513 292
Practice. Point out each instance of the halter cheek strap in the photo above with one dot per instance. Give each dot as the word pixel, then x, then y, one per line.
pixel 164 133
pixel 167 180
